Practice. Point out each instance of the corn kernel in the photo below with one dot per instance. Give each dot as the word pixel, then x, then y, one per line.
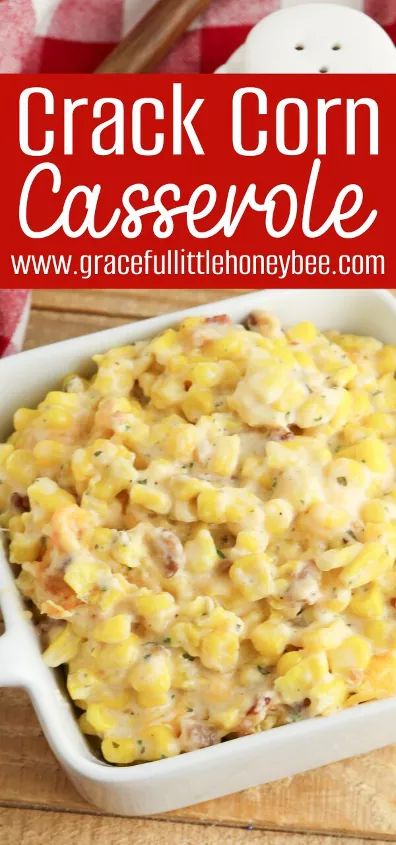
pixel 211 506
pixel 270 639
pixel 386 360
pixel 367 602
pixel 207 374
pixel 370 451
pixel 47 495
pixel 382 423
pixel 81 684
pixel 120 655
pixel 337 558
pixel 377 631
pixel 287 661
pixel 151 498
pixel 23 417
pixel 327 696
pixel 325 637
pixel 224 460
pixel 201 553
pixel 252 575
pixel 279 515
pixel 297 683
pixel 121 751
pixel 24 548
pixel 227 719
pixel 100 718
pixel 62 649
pixel 185 635
pixel 198 402
pixel 21 468
pixel 303 332
pixel 374 511
pixel 152 698
pixel 152 674
pixel 157 609
pixel 371 562
pixel 220 650
pixel 381 674
pixel 49 453
pixel 81 575
pixel 181 442
pixel 86 726
pixel 160 741
pixel 353 653
pixel 113 630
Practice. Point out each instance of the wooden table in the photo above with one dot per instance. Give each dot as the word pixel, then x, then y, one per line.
pixel 343 804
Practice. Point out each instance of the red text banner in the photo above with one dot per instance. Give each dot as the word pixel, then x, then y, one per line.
pixel 217 181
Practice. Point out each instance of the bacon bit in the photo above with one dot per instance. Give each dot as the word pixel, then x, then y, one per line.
pixel 54 610
pixel 280 434
pixel 60 592
pixel 168 546
pixel 187 385
pixel 264 323
pixel 196 735
pixel 258 705
pixel 355 677
pixel 20 503
pixel 296 429
pixel 123 498
pixel 392 602
pixel 252 320
pixel 308 569
pixel 139 394
pixel 243 730
pixel 224 565
pixel 224 319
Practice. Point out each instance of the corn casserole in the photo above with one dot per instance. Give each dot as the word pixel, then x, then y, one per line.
pixel 206 529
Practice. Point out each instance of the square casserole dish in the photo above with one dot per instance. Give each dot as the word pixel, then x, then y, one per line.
pixel 236 764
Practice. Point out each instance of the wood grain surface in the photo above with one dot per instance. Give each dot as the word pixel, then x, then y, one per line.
pixel 342 804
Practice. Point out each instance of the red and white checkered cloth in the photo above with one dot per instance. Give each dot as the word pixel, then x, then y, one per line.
pixel 75 35
pixel 14 312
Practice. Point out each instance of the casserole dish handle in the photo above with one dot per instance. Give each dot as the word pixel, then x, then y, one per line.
pixel 10 661
pixel 18 649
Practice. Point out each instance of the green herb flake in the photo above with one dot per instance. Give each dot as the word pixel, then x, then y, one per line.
pixel 142 481
pixel 188 656
pixel 220 554
pixel 342 480
pixel 96 454
pixel 296 717
pixel 263 670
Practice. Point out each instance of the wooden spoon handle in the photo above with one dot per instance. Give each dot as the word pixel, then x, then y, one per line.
pixel 153 37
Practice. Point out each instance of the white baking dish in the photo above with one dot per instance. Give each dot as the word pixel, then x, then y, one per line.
pixel 239 763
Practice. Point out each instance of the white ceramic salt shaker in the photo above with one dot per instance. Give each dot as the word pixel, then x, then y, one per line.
pixel 315 37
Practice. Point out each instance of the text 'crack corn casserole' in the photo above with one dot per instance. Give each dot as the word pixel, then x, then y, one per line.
pixel 208 528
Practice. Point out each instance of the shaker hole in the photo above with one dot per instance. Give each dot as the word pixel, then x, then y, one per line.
pixel 299 47
pixel 323 70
